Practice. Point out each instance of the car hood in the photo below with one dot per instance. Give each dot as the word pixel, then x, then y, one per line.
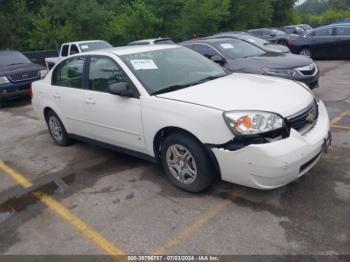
pixel 21 68
pixel 278 48
pixel 270 60
pixel 246 92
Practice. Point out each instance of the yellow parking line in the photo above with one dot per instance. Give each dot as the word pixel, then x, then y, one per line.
pixel 339 117
pixel 341 127
pixel 64 213
pixel 200 221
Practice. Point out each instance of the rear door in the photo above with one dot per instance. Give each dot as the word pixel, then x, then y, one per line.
pixel 322 42
pixel 111 118
pixel 342 34
pixel 68 92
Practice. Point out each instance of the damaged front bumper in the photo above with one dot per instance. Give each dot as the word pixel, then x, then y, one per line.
pixel 272 165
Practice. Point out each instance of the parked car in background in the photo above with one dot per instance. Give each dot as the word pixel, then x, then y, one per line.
pixel 163 102
pixel 296 30
pixel 273 35
pixel 239 56
pixel 154 41
pixel 331 41
pixel 16 75
pixel 72 48
pixel 301 29
pixel 262 43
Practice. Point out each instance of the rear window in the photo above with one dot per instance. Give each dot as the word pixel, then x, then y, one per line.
pixel 86 47
pixel 8 58
pixel 235 48
pixel 164 42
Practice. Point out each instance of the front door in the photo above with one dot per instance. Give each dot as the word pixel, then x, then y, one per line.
pixel 111 118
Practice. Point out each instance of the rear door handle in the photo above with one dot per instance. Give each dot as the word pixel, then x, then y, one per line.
pixel 56 96
pixel 90 101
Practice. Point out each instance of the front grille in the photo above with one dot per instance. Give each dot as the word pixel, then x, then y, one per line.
pixel 309 70
pixel 24 76
pixel 304 120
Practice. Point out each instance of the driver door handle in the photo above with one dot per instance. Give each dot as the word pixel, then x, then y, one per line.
pixel 56 96
pixel 90 101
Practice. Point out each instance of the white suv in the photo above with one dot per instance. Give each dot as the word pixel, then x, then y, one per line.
pixel 167 103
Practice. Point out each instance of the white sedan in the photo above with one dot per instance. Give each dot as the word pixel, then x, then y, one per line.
pixel 169 104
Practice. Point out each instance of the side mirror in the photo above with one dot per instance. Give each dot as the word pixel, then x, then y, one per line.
pixel 218 59
pixel 273 35
pixel 121 89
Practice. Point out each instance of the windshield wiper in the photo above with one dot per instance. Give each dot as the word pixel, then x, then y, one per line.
pixel 13 64
pixel 177 87
pixel 170 89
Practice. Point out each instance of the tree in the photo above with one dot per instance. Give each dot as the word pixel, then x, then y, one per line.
pixel 136 21
pixel 203 17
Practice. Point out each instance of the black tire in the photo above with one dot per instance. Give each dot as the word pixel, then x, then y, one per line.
pixel 205 174
pixel 283 42
pixel 63 139
pixel 305 51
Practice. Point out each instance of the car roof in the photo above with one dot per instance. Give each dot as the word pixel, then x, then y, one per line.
pixel 209 40
pixel 125 50
pixel 9 51
pixel 84 42
pixel 151 40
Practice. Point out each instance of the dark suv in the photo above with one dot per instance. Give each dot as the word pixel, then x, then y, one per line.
pixel 16 75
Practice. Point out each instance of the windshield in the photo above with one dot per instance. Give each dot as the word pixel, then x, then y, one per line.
pixel 307 27
pixel 235 48
pixel 164 42
pixel 253 39
pixel 278 32
pixel 85 47
pixel 12 58
pixel 177 67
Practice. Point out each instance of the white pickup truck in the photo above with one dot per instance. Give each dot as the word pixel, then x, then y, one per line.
pixel 72 48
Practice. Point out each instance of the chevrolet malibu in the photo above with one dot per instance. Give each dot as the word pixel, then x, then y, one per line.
pixel 171 105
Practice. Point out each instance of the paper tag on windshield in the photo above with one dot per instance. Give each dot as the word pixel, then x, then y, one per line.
pixel 84 47
pixel 143 64
pixel 227 46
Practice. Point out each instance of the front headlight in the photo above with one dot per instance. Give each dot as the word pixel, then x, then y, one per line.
pixel 252 122
pixel 279 71
pixel 4 80
pixel 43 73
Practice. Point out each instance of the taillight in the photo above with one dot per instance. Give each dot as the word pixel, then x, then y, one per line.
pixel 30 91
pixel 290 41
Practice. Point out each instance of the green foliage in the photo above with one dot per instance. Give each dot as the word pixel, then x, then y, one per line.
pixel 135 22
pixel 44 24
pixel 322 12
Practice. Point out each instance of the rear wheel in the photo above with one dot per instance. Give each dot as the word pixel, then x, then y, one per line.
pixel 57 130
pixel 305 51
pixel 186 163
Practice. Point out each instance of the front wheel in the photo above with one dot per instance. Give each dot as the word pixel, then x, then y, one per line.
pixel 57 130
pixel 305 52
pixel 186 163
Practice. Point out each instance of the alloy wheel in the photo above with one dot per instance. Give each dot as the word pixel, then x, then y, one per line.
pixel 181 163
pixel 55 128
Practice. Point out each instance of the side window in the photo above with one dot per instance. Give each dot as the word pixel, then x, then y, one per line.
pixel 69 73
pixel 290 30
pixel 256 32
pixel 64 51
pixel 104 72
pixel 73 50
pixel 206 51
pixel 342 31
pixel 324 32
